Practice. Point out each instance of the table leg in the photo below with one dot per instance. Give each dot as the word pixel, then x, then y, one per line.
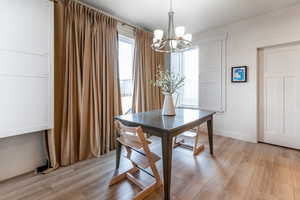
pixel 118 153
pixel 210 136
pixel 167 164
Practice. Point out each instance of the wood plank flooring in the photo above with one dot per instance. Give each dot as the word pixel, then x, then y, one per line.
pixel 239 171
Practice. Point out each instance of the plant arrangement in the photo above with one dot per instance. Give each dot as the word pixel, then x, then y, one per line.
pixel 168 81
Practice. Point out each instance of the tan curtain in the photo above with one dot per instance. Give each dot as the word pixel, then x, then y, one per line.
pixel 145 96
pixel 54 139
pixel 86 83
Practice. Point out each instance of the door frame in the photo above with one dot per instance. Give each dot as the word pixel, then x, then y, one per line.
pixel 259 83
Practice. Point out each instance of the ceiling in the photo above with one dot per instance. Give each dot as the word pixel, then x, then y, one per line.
pixel 195 15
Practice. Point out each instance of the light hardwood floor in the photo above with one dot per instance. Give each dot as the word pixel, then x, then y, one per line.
pixel 239 171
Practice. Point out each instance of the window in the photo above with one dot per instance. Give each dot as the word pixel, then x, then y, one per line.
pixel 126 56
pixel 204 71
pixel 186 63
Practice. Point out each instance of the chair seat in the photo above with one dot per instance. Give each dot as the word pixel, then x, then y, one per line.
pixel 190 134
pixel 141 160
pixel 197 148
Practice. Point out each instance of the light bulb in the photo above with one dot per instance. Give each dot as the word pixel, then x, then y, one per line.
pixel 173 44
pixel 158 34
pixel 180 30
pixel 188 37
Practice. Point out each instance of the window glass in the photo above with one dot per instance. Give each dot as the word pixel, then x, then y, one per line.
pixel 186 63
pixel 126 56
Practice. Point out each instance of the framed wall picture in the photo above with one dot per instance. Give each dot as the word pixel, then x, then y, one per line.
pixel 239 74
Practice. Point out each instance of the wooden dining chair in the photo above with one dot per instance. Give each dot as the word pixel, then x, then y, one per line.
pixel 139 154
pixel 195 135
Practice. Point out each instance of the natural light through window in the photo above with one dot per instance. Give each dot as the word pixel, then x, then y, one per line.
pixel 186 63
pixel 126 55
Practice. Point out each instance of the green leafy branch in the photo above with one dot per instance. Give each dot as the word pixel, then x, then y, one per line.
pixel 168 81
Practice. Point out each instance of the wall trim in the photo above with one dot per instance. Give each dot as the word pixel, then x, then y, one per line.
pixel 238 136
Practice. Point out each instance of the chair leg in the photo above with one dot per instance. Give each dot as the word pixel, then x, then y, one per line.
pixel 174 141
pixel 197 148
pixel 147 191
pixel 131 178
pixel 120 177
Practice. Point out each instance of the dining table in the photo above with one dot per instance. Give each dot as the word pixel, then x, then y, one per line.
pixel 167 127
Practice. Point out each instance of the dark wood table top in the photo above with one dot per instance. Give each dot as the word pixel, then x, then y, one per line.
pixel 155 123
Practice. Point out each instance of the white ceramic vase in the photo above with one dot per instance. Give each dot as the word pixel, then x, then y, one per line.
pixel 168 107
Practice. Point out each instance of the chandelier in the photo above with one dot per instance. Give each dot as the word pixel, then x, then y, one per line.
pixel 175 41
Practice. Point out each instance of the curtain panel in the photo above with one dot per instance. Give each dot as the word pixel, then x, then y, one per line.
pixel 146 62
pixel 87 91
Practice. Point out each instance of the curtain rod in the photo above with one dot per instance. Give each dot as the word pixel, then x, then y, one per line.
pixel 123 22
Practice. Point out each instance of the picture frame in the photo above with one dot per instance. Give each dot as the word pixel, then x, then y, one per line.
pixel 239 74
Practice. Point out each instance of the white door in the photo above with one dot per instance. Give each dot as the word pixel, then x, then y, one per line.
pixel 280 95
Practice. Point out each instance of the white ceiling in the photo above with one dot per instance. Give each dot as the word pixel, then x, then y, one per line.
pixel 195 15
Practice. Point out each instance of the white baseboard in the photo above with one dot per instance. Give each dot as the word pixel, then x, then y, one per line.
pixel 247 137
pixel 21 154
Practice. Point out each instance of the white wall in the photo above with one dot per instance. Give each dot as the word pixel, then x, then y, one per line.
pixel 244 38
pixel 21 154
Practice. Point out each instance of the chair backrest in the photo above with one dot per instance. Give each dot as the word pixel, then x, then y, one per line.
pixel 130 136
pixel 134 138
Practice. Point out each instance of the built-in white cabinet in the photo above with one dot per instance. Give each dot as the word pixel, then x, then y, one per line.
pixel 26 59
